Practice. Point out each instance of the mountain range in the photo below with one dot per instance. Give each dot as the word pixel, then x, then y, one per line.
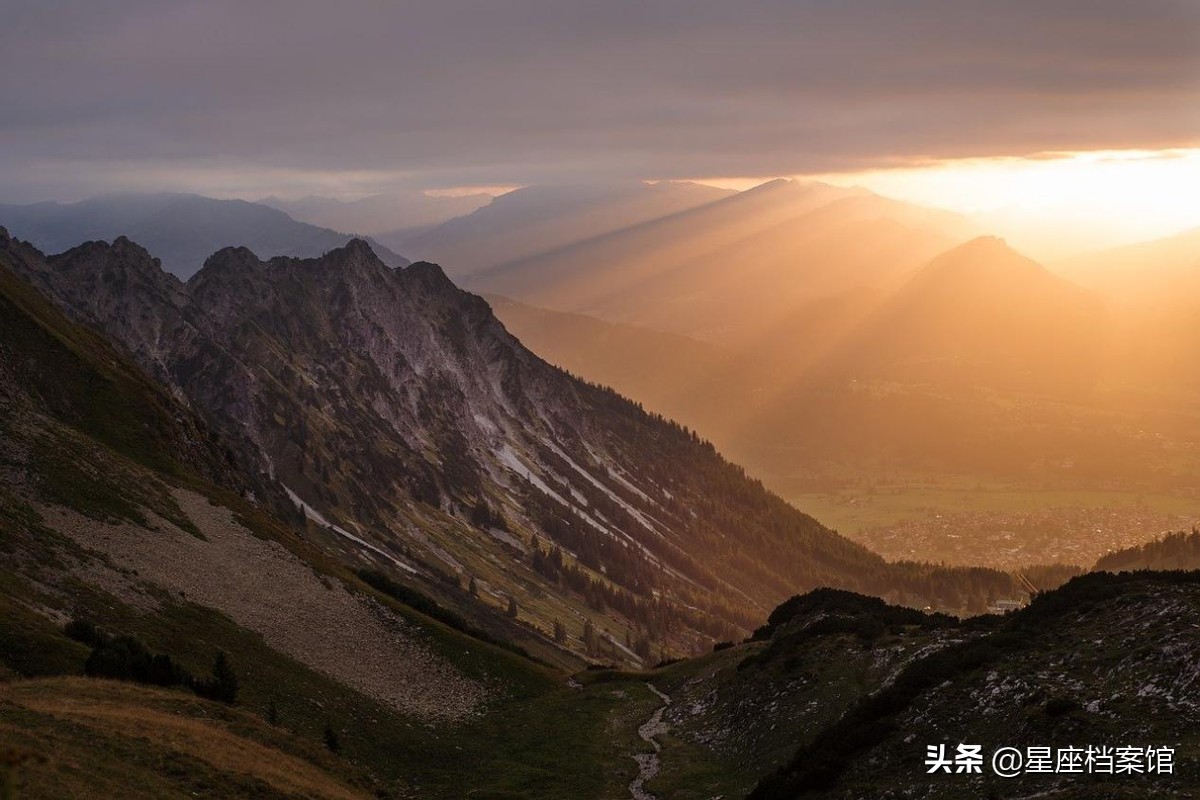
pixel 388 215
pixel 851 340
pixel 725 270
pixel 537 219
pixel 179 229
pixel 260 465
pixel 424 441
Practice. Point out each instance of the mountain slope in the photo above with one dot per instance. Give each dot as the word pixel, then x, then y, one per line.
pixel 738 714
pixel 1144 273
pixel 982 364
pixel 379 213
pixel 982 314
pixel 711 388
pixel 1154 288
pixel 180 229
pixel 110 739
pixel 535 219
pixel 1173 551
pixel 667 372
pixel 726 270
pixel 841 696
pixel 109 468
pixel 429 444
pixel 1104 661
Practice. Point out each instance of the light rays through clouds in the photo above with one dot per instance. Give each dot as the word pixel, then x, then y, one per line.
pixel 273 97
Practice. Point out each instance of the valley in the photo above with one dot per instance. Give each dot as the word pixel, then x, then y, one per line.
pixel 936 408
pixel 401 654
pixel 599 401
pixel 1003 527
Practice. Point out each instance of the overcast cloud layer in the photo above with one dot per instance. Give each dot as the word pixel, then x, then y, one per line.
pixel 250 97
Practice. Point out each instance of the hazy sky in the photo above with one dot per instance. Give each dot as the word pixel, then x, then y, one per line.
pixel 249 97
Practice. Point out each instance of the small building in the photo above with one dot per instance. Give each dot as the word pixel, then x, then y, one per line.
pixel 1004 606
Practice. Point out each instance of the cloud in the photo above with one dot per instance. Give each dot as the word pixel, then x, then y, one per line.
pixel 255 95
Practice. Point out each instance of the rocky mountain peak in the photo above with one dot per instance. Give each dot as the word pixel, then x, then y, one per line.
pixel 226 263
pixel 429 274
pixel 243 256
pixel 360 248
pixel 120 264
pixel 354 261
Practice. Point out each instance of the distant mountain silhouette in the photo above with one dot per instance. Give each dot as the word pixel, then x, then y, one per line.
pixel 982 314
pixel 1147 273
pixel 1155 288
pixel 379 214
pixel 978 362
pixel 728 269
pixel 182 230
pixel 536 219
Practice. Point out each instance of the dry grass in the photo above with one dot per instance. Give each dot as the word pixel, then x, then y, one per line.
pixel 85 730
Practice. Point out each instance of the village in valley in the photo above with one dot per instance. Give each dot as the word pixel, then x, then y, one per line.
pixel 1015 539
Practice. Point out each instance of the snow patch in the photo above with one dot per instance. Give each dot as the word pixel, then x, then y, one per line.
pixel 319 518
pixel 648 523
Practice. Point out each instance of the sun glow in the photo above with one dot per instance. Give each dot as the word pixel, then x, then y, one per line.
pixel 1056 203
pixel 1052 205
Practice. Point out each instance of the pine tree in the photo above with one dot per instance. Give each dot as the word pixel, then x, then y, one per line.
pixel 225 682
pixel 589 638
pixel 642 647
pixel 222 686
pixel 332 740
pixel 560 632
pixel 512 607
pixel 473 588
pixel 482 515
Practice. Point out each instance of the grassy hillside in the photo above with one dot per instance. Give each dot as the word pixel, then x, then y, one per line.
pixel 76 737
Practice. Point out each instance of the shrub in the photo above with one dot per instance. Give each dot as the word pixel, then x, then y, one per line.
pixel 125 658
pixel 1058 706
pixel 331 738
pixel 223 686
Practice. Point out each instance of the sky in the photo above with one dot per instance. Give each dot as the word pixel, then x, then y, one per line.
pixel 258 97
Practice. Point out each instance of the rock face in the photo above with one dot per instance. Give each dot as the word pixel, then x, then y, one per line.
pixel 399 413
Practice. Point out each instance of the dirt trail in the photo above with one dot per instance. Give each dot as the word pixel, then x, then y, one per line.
pixel 648 762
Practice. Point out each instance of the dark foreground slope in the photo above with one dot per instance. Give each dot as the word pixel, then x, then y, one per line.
pixel 1105 661
pixel 75 737
pixel 426 443
pixel 840 695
